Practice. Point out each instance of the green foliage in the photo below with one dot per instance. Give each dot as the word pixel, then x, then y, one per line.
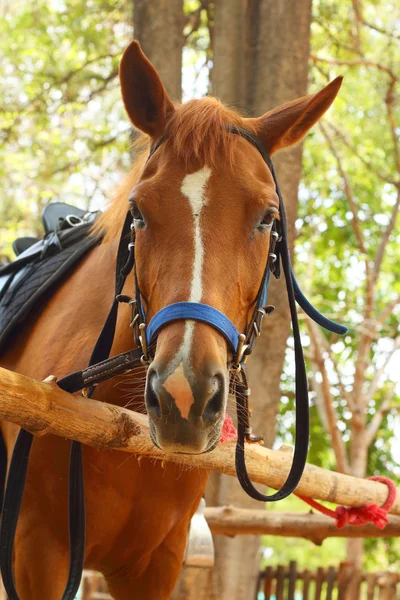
pixel 63 131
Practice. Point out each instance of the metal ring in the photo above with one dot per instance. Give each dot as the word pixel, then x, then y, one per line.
pixel 73 220
pixel 273 257
pixel 131 245
pixel 275 234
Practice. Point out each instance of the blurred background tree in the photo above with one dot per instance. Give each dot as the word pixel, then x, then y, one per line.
pixel 64 136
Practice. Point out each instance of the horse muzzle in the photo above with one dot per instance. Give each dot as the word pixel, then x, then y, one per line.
pixel 186 411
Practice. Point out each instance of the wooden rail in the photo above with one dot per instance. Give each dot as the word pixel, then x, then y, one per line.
pixel 41 407
pixel 231 521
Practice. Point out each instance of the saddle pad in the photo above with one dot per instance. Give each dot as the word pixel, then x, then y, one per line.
pixel 29 278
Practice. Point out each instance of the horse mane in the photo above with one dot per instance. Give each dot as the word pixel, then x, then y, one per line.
pixel 197 130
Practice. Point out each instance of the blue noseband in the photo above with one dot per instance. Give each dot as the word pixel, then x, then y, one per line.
pixel 195 311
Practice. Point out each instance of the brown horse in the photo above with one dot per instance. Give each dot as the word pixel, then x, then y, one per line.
pixel 203 208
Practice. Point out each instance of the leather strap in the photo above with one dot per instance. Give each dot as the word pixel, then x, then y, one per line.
pixel 11 507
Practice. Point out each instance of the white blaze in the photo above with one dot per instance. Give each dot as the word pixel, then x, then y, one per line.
pixel 194 188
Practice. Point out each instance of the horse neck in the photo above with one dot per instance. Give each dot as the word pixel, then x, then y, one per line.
pixel 122 389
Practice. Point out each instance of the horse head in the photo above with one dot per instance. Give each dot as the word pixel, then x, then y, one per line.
pixel 204 206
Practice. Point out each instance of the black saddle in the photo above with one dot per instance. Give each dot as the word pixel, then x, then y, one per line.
pixel 43 263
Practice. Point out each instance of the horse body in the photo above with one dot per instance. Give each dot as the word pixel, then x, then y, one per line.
pixel 203 208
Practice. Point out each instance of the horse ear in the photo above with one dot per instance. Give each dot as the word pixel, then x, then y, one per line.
pixel 145 99
pixel 288 124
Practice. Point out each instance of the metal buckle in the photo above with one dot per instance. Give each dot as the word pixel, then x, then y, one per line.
pixel 236 363
pixel 143 342
pixel 134 313
pixel 273 257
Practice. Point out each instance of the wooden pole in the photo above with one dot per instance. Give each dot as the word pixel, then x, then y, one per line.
pixel 231 521
pixel 42 408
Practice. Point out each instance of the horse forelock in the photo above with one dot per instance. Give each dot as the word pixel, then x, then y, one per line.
pixel 197 131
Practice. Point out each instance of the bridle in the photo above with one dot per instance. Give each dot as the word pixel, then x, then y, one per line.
pixel 102 368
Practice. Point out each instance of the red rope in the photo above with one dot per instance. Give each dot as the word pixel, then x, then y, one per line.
pixel 228 430
pixel 370 513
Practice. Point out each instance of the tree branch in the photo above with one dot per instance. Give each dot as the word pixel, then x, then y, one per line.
pixel 357 24
pixel 375 382
pixel 367 163
pixel 358 62
pixel 348 191
pixel 332 418
pixel 80 161
pixel 387 311
pixel 378 417
pixel 385 238
pixel 345 395
pixel 389 100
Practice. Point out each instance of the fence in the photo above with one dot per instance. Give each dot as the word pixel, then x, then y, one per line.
pixel 289 583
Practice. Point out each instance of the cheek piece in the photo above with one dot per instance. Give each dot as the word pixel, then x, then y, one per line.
pixel 101 368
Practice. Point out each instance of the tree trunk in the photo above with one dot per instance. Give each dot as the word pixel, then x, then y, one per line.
pixel 228 70
pixel 158 26
pixel 355 547
pixel 276 65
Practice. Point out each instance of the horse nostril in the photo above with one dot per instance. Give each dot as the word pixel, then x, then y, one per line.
pixel 152 401
pixel 215 403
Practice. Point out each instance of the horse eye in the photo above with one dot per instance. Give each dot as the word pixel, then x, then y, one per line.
pixel 136 214
pixel 269 218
